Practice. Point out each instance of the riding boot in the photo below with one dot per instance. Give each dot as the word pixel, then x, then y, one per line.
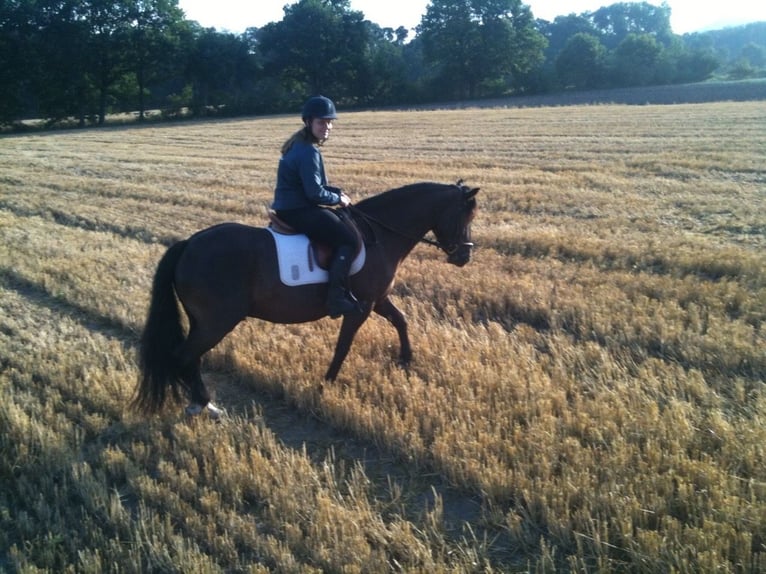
pixel 339 300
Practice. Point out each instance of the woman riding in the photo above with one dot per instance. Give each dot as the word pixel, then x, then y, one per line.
pixel 302 196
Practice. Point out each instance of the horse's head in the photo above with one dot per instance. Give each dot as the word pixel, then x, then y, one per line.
pixel 453 230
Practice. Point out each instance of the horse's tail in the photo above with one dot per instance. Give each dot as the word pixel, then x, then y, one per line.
pixel 163 333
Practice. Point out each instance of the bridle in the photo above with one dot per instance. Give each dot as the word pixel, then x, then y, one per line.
pixel 449 249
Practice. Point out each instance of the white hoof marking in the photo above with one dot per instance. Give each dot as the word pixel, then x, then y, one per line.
pixel 214 412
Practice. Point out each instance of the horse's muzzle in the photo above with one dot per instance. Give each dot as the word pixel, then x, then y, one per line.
pixel 461 255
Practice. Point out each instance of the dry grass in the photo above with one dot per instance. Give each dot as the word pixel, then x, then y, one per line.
pixel 587 395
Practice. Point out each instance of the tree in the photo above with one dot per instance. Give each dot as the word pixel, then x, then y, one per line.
pixel 382 78
pixel 617 21
pixel 476 43
pixel 221 68
pixel 320 46
pixel 754 54
pixel 79 59
pixel 636 59
pixel 559 32
pixel 689 65
pixel 154 38
pixel 60 61
pixel 108 28
pixel 582 62
pixel 16 59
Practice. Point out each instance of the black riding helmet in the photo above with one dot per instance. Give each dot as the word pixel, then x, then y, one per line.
pixel 319 107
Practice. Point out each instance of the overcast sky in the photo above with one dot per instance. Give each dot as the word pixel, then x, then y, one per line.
pixel 686 15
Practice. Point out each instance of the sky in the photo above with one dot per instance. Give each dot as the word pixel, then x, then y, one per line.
pixel 686 15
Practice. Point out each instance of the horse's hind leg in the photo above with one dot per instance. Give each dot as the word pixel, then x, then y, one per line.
pixel 202 337
pixel 386 309
pixel 192 376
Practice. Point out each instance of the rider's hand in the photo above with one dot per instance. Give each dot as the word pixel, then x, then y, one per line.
pixel 345 200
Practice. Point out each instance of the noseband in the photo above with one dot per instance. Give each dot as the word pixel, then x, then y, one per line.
pixel 450 249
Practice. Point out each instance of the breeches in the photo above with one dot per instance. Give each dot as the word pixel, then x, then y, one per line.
pixel 320 224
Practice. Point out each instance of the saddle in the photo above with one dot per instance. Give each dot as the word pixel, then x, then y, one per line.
pixel 319 254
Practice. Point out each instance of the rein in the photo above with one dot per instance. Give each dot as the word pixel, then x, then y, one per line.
pixel 449 250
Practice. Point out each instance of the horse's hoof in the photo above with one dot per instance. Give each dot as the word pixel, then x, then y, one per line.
pixel 214 412
pixel 193 409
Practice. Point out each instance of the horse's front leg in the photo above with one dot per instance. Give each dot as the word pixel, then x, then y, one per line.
pixel 348 330
pixel 385 308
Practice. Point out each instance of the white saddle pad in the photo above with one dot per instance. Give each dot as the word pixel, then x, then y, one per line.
pixel 297 265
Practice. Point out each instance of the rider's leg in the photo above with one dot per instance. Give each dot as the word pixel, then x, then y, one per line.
pixel 339 299
pixel 322 224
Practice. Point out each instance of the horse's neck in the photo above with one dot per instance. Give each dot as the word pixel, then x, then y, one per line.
pixel 407 222
pixel 413 224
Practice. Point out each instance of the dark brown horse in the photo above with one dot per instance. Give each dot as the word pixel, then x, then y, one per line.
pixel 226 273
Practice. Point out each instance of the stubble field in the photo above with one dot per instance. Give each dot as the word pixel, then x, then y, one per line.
pixel 587 394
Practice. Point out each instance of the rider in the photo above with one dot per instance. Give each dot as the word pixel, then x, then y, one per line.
pixel 302 195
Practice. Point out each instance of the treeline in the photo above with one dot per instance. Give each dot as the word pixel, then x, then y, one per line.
pixel 79 60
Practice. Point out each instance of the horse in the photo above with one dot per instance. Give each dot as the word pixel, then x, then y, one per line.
pixel 229 272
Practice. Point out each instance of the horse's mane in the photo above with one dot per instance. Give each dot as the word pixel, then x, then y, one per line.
pixel 396 195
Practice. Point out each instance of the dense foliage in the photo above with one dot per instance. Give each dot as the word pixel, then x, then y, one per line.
pixel 62 60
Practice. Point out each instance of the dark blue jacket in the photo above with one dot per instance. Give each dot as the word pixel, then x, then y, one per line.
pixel 301 179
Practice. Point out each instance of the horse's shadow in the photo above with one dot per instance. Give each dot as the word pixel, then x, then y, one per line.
pixel 297 422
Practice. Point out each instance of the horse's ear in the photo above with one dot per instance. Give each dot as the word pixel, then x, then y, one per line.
pixel 470 193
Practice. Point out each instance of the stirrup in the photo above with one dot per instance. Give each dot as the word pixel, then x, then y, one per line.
pixel 343 305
